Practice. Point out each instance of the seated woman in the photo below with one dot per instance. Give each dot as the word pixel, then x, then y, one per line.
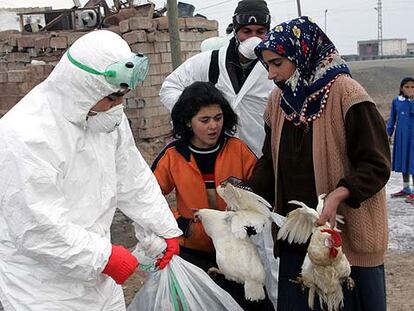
pixel 204 155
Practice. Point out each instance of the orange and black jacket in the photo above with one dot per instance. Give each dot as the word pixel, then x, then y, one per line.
pixel 175 168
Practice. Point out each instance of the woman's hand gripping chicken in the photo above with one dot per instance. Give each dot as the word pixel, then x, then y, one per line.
pixel 325 267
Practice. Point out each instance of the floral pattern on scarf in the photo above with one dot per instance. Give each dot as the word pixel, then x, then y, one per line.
pixel 317 63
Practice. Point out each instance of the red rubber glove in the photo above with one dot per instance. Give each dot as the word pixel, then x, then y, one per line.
pixel 121 264
pixel 173 248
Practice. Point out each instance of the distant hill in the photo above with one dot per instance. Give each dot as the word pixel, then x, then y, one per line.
pixel 381 78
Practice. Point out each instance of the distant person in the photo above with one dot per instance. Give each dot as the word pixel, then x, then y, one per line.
pixel 401 124
pixel 235 71
pixel 324 134
pixel 204 155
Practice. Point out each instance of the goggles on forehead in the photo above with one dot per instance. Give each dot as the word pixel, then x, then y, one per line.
pixel 251 19
pixel 125 74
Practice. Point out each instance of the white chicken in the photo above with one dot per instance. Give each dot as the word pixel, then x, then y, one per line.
pixel 325 266
pixel 237 256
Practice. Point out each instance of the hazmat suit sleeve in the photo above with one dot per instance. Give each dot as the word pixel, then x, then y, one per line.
pixel 35 212
pixel 139 195
pixel 192 70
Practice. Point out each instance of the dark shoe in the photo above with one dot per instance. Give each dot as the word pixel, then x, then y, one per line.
pixel 410 198
pixel 403 193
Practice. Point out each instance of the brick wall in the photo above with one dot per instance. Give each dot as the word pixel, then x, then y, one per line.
pixel 149 119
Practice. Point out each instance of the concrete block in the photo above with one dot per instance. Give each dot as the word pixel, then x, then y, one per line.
pixel 3 66
pixel 5 34
pixel 18 75
pixel 154 132
pixel 151 36
pixel 73 36
pixel 166 68
pixel 42 43
pixel 200 23
pixel 154 69
pixel 145 10
pixel 153 122
pixel 154 58
pixel 124 26
pixel 5 48
pixel 131 112
pixel 8 101
pixel 166 58
pixel 146 82
pixel 152 111
pixel 12 40
pixel 149 91
pixel 160 47
pixel 26 87
pixel 146 48
pixel 187 55
pixel 135 36
pixel 16 66
pixel 58 42
pixel 6 89
pixel 190 46
pixel 115 29
pixel 181 23
pixel 135 103
pixel 157 80
pixel 191 35
pixel 153 102
pixel 25 42
pixel 140 23
pixel 162 36
pixel 18 57
pixel 162 23
pixel 3 77
pixel 36 70
pixel 208 34
pixel 32 52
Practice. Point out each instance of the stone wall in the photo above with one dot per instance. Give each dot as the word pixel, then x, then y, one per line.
pixel 26 59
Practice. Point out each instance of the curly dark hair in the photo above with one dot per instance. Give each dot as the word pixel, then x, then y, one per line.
pixel 404 82
pixel 192 99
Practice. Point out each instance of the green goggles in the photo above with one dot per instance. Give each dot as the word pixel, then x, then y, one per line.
pixel 125 74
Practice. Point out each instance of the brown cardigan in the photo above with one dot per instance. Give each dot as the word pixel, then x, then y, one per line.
pixel 365 231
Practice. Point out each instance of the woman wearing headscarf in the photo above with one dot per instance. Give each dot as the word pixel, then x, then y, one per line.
pixel 324 135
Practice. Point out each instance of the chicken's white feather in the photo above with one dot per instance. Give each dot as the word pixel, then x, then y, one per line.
pixel 237 258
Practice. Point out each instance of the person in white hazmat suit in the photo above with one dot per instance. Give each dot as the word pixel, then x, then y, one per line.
pixel 235 71
pixel 67 161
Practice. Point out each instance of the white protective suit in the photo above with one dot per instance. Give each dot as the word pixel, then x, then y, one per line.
pixel 60 185
pixel 249 104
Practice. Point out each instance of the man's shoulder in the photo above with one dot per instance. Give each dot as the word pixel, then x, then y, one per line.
pixel 199 57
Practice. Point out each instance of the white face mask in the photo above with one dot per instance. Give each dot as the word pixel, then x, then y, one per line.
pixel 106 121
pixel 246 47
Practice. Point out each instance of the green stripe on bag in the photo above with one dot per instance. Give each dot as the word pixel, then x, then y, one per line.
pixel 175 291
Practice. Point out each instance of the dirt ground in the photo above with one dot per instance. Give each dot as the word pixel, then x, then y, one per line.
pixel 400 286
pixel 399 270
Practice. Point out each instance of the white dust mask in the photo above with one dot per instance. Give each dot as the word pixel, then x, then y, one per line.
pixel 106 121
pixel 246 47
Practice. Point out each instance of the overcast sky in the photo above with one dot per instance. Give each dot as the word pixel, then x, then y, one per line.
pixel 347 21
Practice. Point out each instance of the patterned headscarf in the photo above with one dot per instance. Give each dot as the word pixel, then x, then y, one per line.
pixel 317 63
